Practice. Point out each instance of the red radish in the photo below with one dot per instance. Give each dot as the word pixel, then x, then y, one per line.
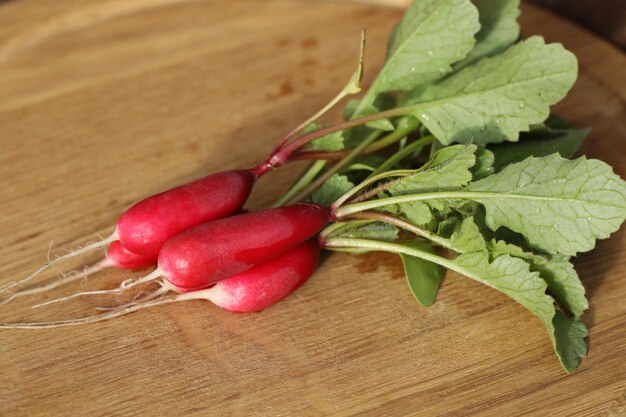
pixel 265 284
pixel 119 257
pixel 212 251
pixel 249 291
pixel 116 257
pixel 147 225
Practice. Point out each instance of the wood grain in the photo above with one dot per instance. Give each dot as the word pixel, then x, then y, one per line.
pixel 104 102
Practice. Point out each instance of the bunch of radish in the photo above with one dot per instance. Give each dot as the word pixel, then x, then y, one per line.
pixel 450 149
pixel 198 239
pixel 203 244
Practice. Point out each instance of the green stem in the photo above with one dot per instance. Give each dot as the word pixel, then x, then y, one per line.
pixel 282 157
pixel 304 180
pixel 352 208
pixel 367 99
pixel 352 243
pixel 335 168
pixel 404 225
pixel 334 227
pixel 416 146
pixel 367 182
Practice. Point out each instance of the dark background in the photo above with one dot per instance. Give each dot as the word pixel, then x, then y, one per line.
pixel 605 17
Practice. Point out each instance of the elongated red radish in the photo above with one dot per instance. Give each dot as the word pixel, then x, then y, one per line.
pixel 249 291
pixel 116 257
pixel 263 285
pixel 212 251
pixel 148 224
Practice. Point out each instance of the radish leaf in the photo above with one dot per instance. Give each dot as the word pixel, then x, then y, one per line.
pixel 333 188
pixel 498 29
pixel 558 273
pixel 448 169
pixel 330 143
pixel 498 97
pixel 432 35
pixel 513 277
pixel 541 141
pixel 558 205
pixel 423 277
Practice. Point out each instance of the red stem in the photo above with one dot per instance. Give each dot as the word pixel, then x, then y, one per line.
pixel 285 154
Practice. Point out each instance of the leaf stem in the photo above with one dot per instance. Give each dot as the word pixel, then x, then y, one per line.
pixel 352 243
pixel 283 156
pixel 352 208
pixel 367 182
pixel 335 168
pixel 334 227
pixel 369 215
pixel 416 146
pixel 353 86
pixel 376 146
pixel 304 180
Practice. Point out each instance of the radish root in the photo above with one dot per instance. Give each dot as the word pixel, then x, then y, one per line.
pixel 85 249
pixel 125 285
pixel 90 319
pixel 66 279
pixel 116 290
pixel 138 299
pixel 156 298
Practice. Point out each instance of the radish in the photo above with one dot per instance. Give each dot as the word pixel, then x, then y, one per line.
pixel 209 252
pixel 147 225
pixel 253 290
pixel 263 285
pixel 119 257
pixel 116 257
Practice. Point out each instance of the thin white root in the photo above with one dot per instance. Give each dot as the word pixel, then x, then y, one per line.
pixel 89 248
pixel 126 284
pixel 137 300
pixel 150 277
pixel 89 319
pixel 116 290
pixel 66 279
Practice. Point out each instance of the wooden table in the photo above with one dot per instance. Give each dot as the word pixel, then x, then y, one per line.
pixel 102 103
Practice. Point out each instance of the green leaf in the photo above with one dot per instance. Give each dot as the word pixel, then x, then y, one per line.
pixel 558 273
pixel 432 35
pixel 418 214
pixel 541 141
pixel 484 163
pixel 498 29
pixel 467 237
pixel 329 143
pixel 498 97
pixel 448 169
pixel 558 205
pixel 513 277
pixel 333 188
pixel 423 277
pixel 569 341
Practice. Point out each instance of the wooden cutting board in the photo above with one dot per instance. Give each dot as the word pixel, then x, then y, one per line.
pixel 104 102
